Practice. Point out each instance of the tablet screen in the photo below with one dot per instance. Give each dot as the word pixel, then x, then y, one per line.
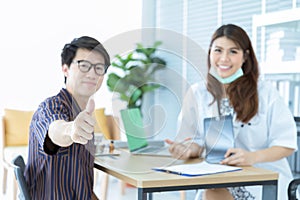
pixel 218 137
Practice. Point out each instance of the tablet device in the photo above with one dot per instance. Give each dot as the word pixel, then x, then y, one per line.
pixel 219 137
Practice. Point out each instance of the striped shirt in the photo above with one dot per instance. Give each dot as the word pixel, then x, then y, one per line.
pixel 54 172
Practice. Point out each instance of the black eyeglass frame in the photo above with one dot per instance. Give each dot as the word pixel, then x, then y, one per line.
pixel 90 65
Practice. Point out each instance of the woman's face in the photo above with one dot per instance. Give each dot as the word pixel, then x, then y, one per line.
pixel 226 57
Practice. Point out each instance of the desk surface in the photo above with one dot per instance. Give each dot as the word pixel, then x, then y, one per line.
pixel 136 170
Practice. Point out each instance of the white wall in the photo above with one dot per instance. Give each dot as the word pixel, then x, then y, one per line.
pixel 33 33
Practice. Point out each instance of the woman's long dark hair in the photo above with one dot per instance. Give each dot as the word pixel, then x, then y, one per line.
pixel 242 93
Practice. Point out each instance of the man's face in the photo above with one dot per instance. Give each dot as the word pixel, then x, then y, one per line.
pixel 83 84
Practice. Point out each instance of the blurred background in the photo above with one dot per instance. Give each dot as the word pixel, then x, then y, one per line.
pixel 34 32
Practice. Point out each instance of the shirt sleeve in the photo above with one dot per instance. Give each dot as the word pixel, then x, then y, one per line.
pixel 49 147
pixel 188 119
pixel 49 111
pixel 282 126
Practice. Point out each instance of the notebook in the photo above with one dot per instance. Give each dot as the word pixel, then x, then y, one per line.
pixel 136 136
pixel 219 137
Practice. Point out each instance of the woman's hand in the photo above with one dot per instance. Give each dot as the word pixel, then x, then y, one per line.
pixel 240 157
pixel 184 150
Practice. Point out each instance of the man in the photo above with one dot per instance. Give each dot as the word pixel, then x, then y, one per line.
pixel 61 150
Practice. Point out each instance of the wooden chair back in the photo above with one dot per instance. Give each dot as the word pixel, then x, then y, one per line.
pixel 107 124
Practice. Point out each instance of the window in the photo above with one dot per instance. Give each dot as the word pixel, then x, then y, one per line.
pixel 197 19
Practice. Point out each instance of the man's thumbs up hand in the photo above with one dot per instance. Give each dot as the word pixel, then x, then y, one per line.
pixel 90 106
pixel 83 125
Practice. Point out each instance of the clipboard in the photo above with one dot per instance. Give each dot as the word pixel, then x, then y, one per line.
pixel 198 169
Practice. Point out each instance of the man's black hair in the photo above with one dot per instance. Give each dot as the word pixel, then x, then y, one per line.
pixel 85 42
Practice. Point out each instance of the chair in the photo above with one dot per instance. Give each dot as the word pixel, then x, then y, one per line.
pixel 19 167
pixel 108 126
pixel 292 189
pixel 14 141
pixel 294 184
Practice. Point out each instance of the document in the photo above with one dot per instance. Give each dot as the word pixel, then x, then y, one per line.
pixel 198 169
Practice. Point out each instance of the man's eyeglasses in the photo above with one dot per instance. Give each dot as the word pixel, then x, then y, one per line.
pixel 85 66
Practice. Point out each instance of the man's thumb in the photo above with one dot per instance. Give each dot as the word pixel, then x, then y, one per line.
pixel 90 107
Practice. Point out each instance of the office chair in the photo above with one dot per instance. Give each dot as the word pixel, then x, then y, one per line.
pixel 292 189
pixel 294 184
pixel 19 167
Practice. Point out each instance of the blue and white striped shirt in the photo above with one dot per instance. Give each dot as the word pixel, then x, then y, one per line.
pixel 54 172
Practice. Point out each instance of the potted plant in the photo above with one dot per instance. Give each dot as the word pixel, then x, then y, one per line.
pixel 137 74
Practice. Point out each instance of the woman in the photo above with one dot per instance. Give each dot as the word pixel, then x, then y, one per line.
pixel 264 129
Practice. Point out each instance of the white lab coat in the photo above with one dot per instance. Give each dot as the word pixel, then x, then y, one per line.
pixel 273 126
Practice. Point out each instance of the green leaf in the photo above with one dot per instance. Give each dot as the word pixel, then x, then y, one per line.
pixel 112 81
pixel 139 46
pixel 158 60
pixel 117 84
pixel 124 97
pixel 135 96
pixel 149 88
pixel 157 43
pixel 157 67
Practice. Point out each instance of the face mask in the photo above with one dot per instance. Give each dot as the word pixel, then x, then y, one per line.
pixel 226 80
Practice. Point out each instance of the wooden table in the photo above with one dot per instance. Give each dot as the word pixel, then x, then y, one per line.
pixel 136 170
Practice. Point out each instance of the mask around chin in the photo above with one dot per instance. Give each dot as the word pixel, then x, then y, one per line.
pixel 226 80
